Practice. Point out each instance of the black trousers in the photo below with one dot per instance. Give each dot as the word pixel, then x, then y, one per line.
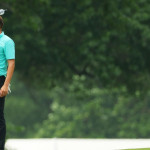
pixel 2 118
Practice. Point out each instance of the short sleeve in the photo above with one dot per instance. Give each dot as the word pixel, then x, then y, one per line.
pixel 9 49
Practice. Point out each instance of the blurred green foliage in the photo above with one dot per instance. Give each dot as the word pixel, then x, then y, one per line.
pixel 107 41
pixel 82 68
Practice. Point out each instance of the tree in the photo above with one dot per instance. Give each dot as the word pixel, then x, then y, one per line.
pixel 106 41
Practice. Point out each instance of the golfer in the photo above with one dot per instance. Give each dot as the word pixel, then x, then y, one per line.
pixel 7 65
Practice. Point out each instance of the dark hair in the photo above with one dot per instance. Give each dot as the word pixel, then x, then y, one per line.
pixel 1 22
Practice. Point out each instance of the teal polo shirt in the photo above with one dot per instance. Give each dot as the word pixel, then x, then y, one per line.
pixel 7 51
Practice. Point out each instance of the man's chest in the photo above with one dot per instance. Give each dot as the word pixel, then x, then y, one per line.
pixel 2 45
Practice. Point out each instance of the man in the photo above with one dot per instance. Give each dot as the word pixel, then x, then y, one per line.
pixel 7 65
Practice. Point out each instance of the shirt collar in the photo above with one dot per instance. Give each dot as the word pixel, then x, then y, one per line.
pixel 1 34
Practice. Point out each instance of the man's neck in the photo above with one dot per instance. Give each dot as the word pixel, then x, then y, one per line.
pixel 0 31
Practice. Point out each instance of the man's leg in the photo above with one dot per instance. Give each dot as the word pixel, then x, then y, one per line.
pixel 2 118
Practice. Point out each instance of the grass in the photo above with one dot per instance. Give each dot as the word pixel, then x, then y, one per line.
pixel 139 149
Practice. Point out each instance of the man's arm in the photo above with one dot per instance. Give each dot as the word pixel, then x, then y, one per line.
pixel 10 71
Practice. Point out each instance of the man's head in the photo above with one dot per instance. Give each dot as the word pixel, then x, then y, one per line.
pixel 1 22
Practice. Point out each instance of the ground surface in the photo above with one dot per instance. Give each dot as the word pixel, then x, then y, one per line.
pixel 140 149
pixel 77 144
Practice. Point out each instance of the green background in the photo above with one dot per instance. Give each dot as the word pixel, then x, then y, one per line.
pixel 82 68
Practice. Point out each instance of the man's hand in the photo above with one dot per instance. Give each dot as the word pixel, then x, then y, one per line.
pixel 3 91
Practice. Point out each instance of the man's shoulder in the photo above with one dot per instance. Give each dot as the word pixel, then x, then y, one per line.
pixel 6 39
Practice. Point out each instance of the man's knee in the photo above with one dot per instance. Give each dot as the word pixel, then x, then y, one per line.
pixel 2 120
